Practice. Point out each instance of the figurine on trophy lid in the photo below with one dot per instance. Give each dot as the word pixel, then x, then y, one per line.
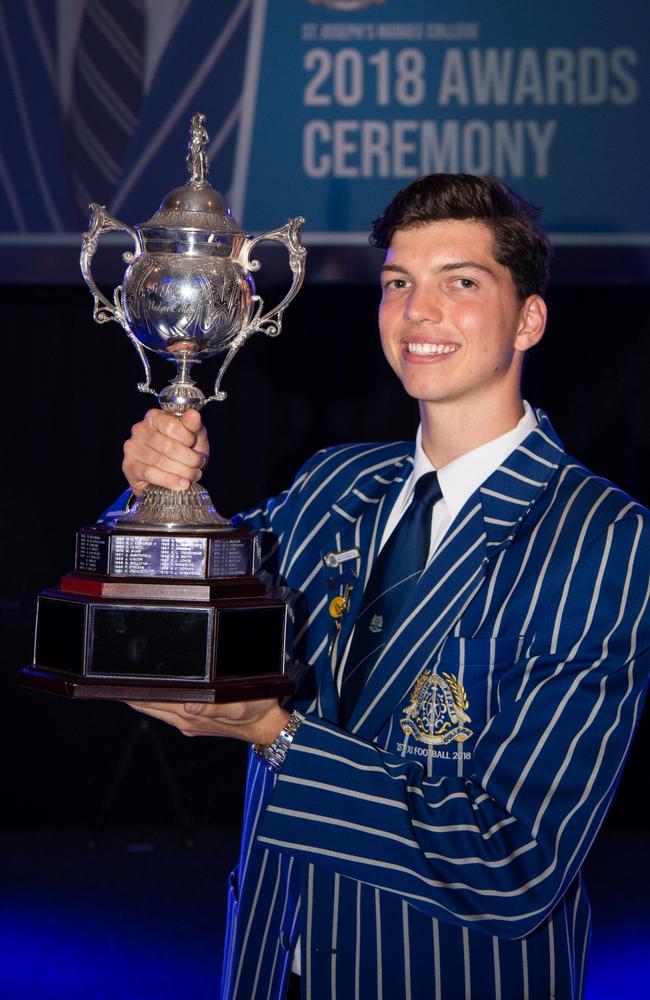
pixel 165 601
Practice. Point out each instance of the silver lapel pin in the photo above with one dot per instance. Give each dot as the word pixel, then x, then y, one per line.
pixel 334 559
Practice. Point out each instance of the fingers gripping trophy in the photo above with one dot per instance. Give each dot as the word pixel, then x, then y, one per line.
pixel 165 601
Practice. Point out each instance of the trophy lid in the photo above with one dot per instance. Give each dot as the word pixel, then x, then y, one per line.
pixel 196 205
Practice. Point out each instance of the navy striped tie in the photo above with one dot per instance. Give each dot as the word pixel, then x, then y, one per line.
pixel 107 96
pixel 394 575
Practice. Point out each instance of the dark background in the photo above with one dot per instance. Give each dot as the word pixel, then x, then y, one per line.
pixel 70 400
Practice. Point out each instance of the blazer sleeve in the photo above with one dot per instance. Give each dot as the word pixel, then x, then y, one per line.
pixel 495 850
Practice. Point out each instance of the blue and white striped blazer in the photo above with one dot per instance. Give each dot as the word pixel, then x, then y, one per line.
pixel 444 869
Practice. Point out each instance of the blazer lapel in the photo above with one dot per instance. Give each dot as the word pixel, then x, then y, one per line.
pixel 487 523
pixel 357 522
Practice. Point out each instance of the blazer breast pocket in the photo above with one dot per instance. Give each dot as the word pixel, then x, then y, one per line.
pixel 472 670
pixel 487 654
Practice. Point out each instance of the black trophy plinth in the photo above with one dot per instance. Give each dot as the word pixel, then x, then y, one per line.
pixel 156 615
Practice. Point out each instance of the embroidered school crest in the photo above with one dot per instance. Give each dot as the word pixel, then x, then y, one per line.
pixel 437 713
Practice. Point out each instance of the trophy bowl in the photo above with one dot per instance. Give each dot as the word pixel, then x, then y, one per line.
pixel 189 288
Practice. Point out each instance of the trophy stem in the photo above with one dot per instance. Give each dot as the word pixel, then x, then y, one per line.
pixel 182 393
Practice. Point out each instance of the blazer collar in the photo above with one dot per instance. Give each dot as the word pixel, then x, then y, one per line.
pixel 508 493
pixel 383 484
pixel 505 495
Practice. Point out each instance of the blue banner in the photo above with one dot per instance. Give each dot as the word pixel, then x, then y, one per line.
pixel 357 99
pixel 323 108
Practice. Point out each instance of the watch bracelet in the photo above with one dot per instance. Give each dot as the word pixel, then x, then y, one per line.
pixel 274 754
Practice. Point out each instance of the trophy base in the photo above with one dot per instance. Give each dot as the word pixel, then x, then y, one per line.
pixel 158 617
pixel 224 690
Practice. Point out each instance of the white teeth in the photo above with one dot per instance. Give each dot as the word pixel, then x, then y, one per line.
pixel 418 348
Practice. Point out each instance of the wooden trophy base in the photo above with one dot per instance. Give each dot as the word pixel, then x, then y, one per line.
pixel 153 616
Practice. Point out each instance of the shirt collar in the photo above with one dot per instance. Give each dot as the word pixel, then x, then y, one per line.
pixel 460 478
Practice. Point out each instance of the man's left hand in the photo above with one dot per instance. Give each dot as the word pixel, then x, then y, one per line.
pixel 251 721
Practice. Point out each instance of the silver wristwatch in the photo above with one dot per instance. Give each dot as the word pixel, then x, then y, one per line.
pixel 275 753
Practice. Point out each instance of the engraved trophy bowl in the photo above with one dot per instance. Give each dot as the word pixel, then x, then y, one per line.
pixel 166 601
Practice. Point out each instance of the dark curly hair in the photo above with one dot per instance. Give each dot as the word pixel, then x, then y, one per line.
pixel 520 244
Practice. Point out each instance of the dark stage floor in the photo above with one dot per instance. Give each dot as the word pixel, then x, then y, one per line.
pixel 141 916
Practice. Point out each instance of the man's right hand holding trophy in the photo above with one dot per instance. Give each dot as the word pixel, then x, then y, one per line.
pixel 166 451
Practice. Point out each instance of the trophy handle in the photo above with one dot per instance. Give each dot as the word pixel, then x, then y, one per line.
pixel 104 310
pixel 218 394
pixel 269 323
pixel 290 236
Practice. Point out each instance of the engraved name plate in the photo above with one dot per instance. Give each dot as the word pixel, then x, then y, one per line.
pixel 231 557
pixel 150 555
pixel 92 552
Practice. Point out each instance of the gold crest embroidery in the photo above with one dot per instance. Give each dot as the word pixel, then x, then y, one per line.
pixel 438 710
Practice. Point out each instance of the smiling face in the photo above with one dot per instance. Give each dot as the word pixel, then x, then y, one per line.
pixel 452 326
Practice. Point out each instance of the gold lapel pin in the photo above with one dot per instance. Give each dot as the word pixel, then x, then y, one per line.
pixel 338 607
pixel 340 604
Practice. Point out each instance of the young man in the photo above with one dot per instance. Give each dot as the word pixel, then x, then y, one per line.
pixel 418 825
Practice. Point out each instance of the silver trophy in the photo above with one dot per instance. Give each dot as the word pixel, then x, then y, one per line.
pixel 188 294
pixel 166 602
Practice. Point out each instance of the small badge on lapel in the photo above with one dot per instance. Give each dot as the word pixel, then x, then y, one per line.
pixel 341 566
pixel 376 624
pixel 334 559
pixel 438 710
pixel 338 607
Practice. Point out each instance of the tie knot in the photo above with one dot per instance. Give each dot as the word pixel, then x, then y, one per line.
pixel 427 489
